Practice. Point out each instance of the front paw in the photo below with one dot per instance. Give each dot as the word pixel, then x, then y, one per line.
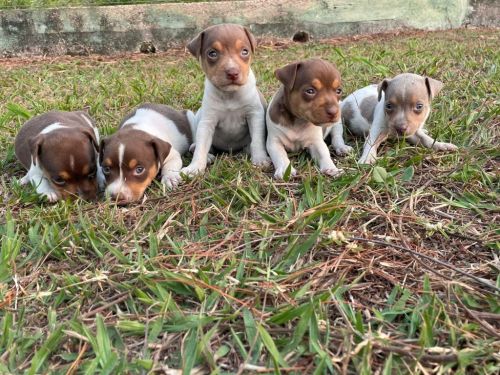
pixel 49 193
pixel 171 179
pixel 24 180
pixel 192 170
pixel 342 150
pixel 442 146
pixel 332 172
pixel 280 172
pixel 261 160
pixel 370 159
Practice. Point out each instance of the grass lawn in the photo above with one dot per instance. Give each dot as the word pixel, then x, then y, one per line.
pixel 388 270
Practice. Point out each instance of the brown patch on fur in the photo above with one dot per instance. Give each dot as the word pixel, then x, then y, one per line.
pixel 132 163
pixel 367 107
pixel 316 83
pixel 137 188
pixel 86 169
pixel 65 175
pixel 107 162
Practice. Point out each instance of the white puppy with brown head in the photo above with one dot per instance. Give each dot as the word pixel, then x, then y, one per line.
pixel 59 150
pixel 232 113
pixel 150 140
pixel 303 109
pixel 397 107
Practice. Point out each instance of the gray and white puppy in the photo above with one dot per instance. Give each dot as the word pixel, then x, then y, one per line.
pixel 59 150
pixel 397 107
pixel 232 113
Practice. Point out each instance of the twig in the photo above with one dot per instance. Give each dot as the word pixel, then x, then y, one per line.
pixel 416 253
pixel 118 299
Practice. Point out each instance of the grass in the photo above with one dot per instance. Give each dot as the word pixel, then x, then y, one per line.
pixel 22 4
pixel 387 270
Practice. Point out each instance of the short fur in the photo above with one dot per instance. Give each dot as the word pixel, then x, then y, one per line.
pixel 305 106
pixel 59 150
pixel 151 139
pixel 232 113
pixel 397 107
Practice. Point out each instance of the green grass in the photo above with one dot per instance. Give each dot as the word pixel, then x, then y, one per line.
pixel 22 4
pixel 389 270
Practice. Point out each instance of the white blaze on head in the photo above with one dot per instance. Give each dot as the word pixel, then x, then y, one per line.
pixel 119 186
pixel 52 127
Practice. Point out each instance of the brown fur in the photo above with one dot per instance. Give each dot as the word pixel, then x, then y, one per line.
pixel 293 102
pixel 54 151
pixel 228 41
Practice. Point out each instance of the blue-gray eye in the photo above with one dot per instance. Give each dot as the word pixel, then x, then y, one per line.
pixel 139 169
pixel 310 91
pixel 244 52
pixel 388 106
pixel 58 181
pixel 106 170
pixel 212 54
pixel 419 107
pixel 91 176
pixel 339 91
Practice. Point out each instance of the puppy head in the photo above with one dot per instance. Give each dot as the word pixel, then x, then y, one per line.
pixel 407 101
pixel 130 159
pixel 312 90
pixel 225 52
pixel 67 158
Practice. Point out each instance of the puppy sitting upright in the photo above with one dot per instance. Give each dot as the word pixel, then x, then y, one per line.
pixel 150 139
pixel 399 107
pixel 59 150
pixel 301 111
pixel 232 113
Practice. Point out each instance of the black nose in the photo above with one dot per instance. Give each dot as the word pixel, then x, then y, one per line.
pixel 232 74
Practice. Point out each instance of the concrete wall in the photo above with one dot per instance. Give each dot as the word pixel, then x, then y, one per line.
pixel 112 29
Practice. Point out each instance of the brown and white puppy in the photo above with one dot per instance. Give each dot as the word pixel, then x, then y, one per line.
pixel 59 150
pixel 397 107
pixel 149 140
pixel 232 113
pixel 301 111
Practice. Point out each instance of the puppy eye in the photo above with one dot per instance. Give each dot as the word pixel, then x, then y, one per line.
pixel 139 170
pixel 106 170
pixel 339 91
pixel 245 52
pixel 388 106
pixel 212 54
pixel 91 176
pixel 310 91
pixel 419 107
pixel 58 181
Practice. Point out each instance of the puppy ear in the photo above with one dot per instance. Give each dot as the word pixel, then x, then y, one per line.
pixel 194 46
pixel 36 147
pixel 161 148
pixel 287 75
pixel 90 133
pixel 102 146
pixel 382 87
pixel 251 38
pixel 433 86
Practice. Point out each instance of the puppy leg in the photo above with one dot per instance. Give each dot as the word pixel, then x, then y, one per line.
pixel 338 144
pixel 319 152
pixel 204 136
pixel 421 137
pixel 36 177
pixel 210 156
pixel 279 158
pixel 257 128
pixel 378 134
pixel 170 172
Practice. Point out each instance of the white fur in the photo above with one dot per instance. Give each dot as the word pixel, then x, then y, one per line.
pixel 225 115
pixel 52 127
pixel 36 176
pixel 281 139
pixel 119 186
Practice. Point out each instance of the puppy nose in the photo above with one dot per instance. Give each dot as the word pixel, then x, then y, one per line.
pixel 332 111
pixel 401 130
pixel 232 74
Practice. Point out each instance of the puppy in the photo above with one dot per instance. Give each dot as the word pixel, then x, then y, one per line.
pixel 398 107
pixel 59 150
pixel 232 113
pixel 301 111
pixel 149 140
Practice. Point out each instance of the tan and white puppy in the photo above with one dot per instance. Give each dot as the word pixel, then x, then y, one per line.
pixel 305 106
pixel 232 113
pixel 59 150
pixel 397 107
pixel 149 140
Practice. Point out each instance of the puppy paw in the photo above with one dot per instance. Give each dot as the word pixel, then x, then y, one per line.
pixel 210 158
pixel 369 160
pixel 280 172
pixel 192 170
pixel 48 193
pixel 332 172
pixel 342 150
pixel 24 180
pixel 442 146
pixel 171 179
pixel 261 160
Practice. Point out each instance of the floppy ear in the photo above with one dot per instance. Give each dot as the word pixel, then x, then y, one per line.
pixel 194 46
pixel 433 86
pixel 90 133
pixel 36 147
pixel 251 38
pixel 161 149
pixel 102 146
pixel 287 75
pixel 382 87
